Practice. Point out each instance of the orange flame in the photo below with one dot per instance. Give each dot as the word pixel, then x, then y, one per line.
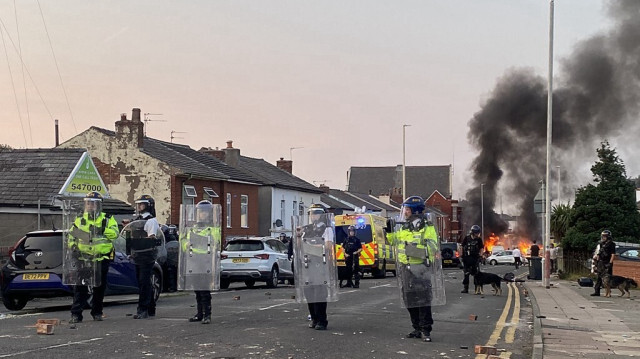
pixel 524 245
pixel 490 242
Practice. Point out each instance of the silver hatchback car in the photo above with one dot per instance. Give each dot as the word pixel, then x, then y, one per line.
pixel 255 259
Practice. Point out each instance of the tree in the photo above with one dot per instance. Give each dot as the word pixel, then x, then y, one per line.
pixel 610 204
pixel 560 220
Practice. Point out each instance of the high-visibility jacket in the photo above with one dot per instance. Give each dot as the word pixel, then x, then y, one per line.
pixel 96 245
pixel 214 232
pixel 423 239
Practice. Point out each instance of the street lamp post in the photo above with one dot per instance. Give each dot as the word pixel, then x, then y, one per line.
pixel 482 208
pixel 558 167
pixel 546 269
pixel 404 170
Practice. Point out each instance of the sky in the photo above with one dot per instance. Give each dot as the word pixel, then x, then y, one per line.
pixel 336 78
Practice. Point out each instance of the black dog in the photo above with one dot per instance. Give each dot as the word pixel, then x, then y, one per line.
pixel 481 278
pixel 622 283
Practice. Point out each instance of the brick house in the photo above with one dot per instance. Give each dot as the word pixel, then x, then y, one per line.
pixel 449 226
pixel 132 165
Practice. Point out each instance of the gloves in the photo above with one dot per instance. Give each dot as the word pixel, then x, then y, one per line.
pixel 390 225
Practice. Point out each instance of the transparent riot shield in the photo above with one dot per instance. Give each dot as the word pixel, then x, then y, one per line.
pixel 200 242
pixel 79 266
pixel 315 267
pixel 419 263
pixel 135 242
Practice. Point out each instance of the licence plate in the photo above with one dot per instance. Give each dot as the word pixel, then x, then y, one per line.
pixel 240 260
pixel 448 261
pixel 35 276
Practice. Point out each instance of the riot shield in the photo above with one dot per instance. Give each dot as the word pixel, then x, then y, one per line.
pixel 79 266
pixel 419 267
pixel 316 274
pixel 134 241
pixel 200 242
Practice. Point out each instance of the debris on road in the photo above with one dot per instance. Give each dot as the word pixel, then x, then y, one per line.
pixel 483 349
pixel 473 317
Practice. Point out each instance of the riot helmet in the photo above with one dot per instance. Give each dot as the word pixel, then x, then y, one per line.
pixel 606 235
pixel 412 205
pixel 351 229
pixel 475 229
pixel 146 204
pixel 315 212
pixel 204 214
pixel 93 204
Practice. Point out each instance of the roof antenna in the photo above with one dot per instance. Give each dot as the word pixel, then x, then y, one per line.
pixel 147 119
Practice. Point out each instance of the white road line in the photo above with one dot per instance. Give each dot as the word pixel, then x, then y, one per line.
pixel 275 305
pixel 50 347
pixel 10 316
pixel 382 285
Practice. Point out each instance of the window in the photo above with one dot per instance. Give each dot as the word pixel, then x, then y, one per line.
pixel 282 214
pixel 188 195
pixel 244 211
pixel 209 194
pixel 295 208
pixel 228 210
pixel 454 214
pixel 301 209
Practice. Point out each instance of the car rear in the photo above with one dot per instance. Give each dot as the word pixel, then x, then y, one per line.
pixel 34 269
pixel 245 260
pixel 450 254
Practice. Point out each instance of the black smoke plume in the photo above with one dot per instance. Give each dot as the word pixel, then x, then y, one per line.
pixel 596 97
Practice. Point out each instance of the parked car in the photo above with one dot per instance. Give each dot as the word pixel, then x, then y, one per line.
pixel 34 270
pixel 450 252
pixel 255 259
pixel 625 253
pixel 501 257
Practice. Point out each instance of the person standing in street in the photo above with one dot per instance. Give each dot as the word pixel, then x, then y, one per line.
pixel 517 257
pixel 416 243
pixel 472 246
pixel 553 256
pixel 145 257
pixel 604 261
pixel 352 248
pixel 534 250
pixel 101 229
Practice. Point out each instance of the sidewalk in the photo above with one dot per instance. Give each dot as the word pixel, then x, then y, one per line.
pixel 569 323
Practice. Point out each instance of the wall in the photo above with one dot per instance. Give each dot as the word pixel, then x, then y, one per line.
pixel 438 202
pixel 289 196
pixel 177 183
pixel 265 199
pixel 629 269
pixel 127 172
pixel 236 190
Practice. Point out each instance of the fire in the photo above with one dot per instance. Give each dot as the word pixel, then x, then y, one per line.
pixel 490 242
pixel 524 247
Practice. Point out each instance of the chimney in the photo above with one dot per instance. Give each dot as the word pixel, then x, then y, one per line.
pixel 131 132
pixel 324 188
pixel 231 155
pixel 217 153
pixel 285 165
pixel 57 135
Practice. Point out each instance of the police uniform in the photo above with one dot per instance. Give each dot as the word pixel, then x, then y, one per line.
pixel 471 248
pixel 421 238
pixel 145 259
pixel 105 228
pixel 352 246
pixel 604 267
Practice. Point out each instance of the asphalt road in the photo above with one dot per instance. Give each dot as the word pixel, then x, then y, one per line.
pixel 368 322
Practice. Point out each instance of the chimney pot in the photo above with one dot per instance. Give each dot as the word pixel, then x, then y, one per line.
pixel 123 117
pixel 285 165
pixel 135 116
pixel 230 144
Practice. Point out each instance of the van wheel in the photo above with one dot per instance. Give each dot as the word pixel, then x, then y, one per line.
pixel 380 273
pixel 14 302
pixel 272 282
pixel 493 262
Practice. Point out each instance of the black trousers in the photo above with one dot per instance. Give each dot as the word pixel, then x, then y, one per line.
pixel 518 262
pixel 421 318
pixel 470 268
pixel 145 297
pixel 318 313
pixel 352 264
pixel 203 300
pixel 81 293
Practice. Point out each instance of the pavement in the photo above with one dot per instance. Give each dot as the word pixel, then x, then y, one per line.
pixel 569 323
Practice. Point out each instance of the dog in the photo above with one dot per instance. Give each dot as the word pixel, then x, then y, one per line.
pixel 622 283
pixel 482 278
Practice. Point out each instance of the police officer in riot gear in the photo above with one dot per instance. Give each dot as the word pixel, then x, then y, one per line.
pixel 352 248
pixel 604 261
pixel 145 258
pixel 104 229
pixel 413 241
pixel 472 246
pixel 203 229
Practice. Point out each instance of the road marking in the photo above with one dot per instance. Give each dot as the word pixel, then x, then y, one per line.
pixel 9 315
pixel 51 347
pixel 493 340
pixel 275 305
pixel 515 317
pixel 382 285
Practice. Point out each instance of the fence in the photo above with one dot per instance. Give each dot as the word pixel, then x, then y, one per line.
pixel 574 262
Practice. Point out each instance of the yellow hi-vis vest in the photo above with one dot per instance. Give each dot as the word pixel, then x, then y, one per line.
pixel 214 232
pixel 101 245
pixel 424 238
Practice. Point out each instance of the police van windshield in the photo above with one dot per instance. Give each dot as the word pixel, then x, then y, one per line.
pixel 364 234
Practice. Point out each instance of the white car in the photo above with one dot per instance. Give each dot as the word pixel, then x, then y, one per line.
pixel 255 259
pixel 501 257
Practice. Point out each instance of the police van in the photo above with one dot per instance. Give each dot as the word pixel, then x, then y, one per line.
pixel 377 255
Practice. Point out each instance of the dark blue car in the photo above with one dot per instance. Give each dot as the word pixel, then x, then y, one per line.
pixel 35 267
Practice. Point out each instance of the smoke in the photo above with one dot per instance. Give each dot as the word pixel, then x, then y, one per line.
pixel 596 98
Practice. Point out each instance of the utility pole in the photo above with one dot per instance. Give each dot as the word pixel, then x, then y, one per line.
pixel 147 119
pixel 546 268
pixel 404 167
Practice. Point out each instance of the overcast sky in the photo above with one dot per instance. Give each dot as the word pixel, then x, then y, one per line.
pixel 338 78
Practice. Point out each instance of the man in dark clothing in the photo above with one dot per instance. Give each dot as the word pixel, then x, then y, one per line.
pixel 352 248
pixel 472 247
pixel 534 251
pixel 604 261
